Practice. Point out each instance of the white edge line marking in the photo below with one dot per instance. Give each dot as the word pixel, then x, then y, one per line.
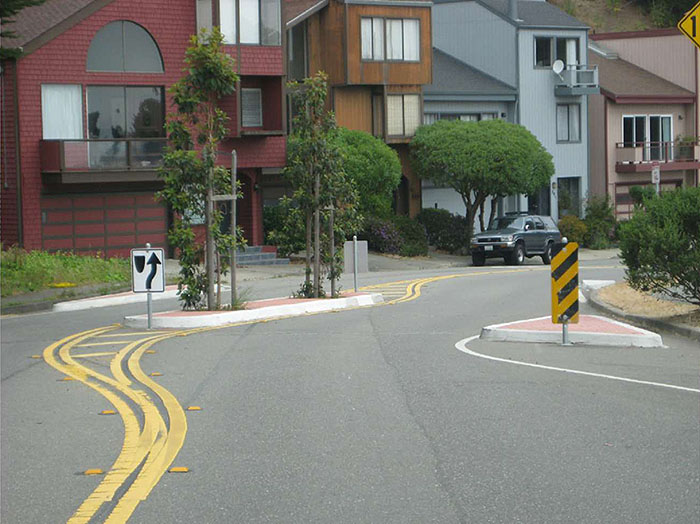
pixel 462 346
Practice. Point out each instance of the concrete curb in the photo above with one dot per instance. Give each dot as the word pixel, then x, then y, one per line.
pixel 641 321
pixel 111 300
pixel 221 318
pixel 497 333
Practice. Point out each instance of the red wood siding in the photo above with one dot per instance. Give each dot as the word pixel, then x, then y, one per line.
pixel 9 219
pixel 109 224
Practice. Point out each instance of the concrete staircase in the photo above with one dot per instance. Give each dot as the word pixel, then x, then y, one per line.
pixel 259 256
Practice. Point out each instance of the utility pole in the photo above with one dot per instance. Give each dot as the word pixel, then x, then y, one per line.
pixel 317 235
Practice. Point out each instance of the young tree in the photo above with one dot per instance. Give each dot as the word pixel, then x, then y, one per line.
pixel 375 169
pixel 480 159
pixel 660 245
pixel 190 169
pixel 316 174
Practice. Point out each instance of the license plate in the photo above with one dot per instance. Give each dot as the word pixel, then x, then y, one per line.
pixel 488 248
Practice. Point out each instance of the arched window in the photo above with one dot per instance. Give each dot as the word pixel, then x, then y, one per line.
pixel 124 46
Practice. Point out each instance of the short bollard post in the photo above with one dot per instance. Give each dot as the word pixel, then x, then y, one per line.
pixel 565 332
pixel 354 257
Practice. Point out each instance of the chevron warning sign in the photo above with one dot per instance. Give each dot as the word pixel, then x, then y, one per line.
pixel 565 283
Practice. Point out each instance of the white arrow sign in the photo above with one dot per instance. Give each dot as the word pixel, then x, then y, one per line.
pixel 147 270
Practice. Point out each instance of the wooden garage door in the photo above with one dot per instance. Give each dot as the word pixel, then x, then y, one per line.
pixel 108 224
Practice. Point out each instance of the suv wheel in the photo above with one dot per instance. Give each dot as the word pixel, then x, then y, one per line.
pixel 518 256
pixel 547 255
pixel 478 259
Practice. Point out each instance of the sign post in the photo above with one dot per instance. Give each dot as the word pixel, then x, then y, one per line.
pixel 148 274
pixel 565 287
pixel 656 176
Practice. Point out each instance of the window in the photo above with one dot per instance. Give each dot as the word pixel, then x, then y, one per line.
pixel 429 118
pixel 393 38
pixel 296 48
pixel 61 111
pixel 118 112
pixel 260 21
pixel 543 51
pixel 652 132
pixel 548 49
pixel 634 130
pixel 568 123
pixel 124 46
pixel 403 114
pixel 204 15
pixel 251 107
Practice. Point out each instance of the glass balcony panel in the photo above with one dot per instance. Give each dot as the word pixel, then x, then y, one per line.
pixel 108 154
pixel 146 154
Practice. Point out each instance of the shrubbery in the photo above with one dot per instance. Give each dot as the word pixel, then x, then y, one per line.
pixel 660 245
pixel 600 223
pixel 573 228
pixel 396 235
pixel 445 230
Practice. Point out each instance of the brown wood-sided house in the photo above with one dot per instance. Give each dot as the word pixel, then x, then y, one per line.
pixel 377 54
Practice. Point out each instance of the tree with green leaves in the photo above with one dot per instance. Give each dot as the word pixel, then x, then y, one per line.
pixel 8 9
pixel 660 244
pixel 190 171
pixel 479 160
pixel 316 174
pixel 375 169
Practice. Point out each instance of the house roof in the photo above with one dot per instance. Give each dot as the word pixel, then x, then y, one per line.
pixel 454 77
pixel 531 13
pixel 295 11
pixel 37 25
pixel 625 82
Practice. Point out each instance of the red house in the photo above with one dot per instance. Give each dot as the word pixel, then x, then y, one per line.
pixel 82 113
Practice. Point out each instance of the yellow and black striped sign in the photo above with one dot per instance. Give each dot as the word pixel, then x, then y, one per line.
pixel 565 283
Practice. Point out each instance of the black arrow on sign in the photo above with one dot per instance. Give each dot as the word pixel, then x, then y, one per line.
pixel 153 262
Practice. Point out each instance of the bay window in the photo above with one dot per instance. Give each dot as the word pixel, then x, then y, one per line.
pixel 403 114
pixel 393 38
pixel 260 21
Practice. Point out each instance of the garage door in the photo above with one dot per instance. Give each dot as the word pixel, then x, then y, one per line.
pixel 108 224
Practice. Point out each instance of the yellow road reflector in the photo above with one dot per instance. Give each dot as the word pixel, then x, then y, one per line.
pixel 178 469
pixel 66 379
pixel 156 374
pixel 194 408
pixel 108 412
pixel 150 351
pixel 36 356
pixel 93 472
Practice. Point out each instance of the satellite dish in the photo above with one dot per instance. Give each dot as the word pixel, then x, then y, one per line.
pixel 558 66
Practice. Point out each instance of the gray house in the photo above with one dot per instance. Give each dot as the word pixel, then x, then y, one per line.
pixel 525 62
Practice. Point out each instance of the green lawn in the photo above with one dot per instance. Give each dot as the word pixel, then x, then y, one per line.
pixel 23 272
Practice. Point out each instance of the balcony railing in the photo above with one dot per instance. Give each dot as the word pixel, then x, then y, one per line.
pixel 82 156
pixel 663 152
pixel 578 80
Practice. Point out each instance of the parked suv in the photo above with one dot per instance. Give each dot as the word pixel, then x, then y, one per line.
pixel 514 237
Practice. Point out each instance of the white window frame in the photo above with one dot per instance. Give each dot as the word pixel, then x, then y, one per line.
pixel 553 50
pixel 568 140
pixel 249 91
pixel 79 133
pixel 233 33
pixel 403 113
pixel 382 55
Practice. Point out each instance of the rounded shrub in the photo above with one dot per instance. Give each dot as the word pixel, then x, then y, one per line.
pixel 381 235
pixel 573 228
pixel 600 223
pixel 414 241
pixel 445 230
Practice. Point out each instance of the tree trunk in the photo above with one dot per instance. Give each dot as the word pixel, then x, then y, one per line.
pixel 481 216
pixel 331 233
pixel 210 252
pixel 494 205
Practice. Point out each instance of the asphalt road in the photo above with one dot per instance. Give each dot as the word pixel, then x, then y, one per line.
pixel 371 415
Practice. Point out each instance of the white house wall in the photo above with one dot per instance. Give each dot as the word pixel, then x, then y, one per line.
pixel 477 37
pixel 538 106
